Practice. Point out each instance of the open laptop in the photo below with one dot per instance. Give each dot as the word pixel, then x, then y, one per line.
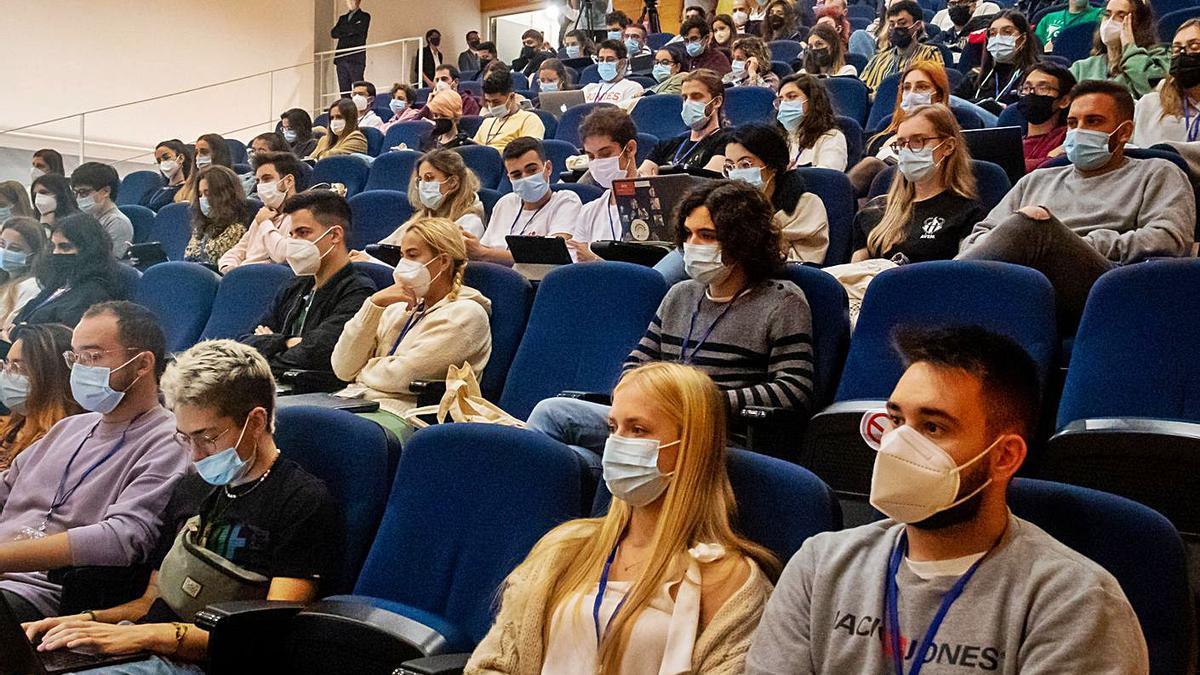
pixel 557 102
pixel 647 206
pixel 19 657
pixel 535 257
pixel 640 65
pixel 999 145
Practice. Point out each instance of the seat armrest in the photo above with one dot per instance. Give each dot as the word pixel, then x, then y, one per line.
pixel 753 414
pixel 443 664
pixel 236 628
pixel 218 616
pixel 304 381
pixel 429 392
pixel 380 623
pixel 589 396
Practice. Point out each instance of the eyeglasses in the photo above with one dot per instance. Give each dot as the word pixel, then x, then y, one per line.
pixel 1190 47
pixel 90 358
pixel 82 192
pixel 665 62
pixel 695 39
pixel 1039 89
pixel 12 367
pixel 199 441
pixel 916 143
pixel 743 163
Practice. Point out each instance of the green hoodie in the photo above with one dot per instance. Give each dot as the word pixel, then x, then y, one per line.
pixel 1139 66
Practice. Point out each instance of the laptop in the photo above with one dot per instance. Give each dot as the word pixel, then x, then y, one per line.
pixel 557 102
pixel 535 257
pixel 19 657
pixel 647 206
pixel 999 145
pixel 640 65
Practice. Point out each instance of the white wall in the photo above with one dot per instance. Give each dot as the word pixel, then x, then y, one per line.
pixel 65 56
pixel 406 18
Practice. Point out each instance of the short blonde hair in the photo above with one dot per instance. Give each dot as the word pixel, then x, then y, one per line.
pixel 224 375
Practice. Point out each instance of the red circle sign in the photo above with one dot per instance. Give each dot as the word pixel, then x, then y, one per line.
pixel 873 426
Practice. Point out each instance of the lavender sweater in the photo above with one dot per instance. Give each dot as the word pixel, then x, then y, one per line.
pixel 114 517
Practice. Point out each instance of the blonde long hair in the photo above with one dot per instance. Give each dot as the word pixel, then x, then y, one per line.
pixel 456 204
pixel 1171 95
pixel 698 506
pixel 444 237
pixel 954 172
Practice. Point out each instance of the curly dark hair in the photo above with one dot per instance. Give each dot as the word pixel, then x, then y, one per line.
pixel 744 222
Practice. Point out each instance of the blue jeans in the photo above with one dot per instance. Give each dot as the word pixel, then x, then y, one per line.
pixel 582 425
pixel 155 665
pixel 671 267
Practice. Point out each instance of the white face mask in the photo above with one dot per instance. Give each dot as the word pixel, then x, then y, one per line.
pixel 430 193
pixel 414 275
pixel 271 194
pixel 203 161
pixel 35 173
pixel 913 99
pixel 1110 32
pixel 168 167
pixel 45 203
pixel 86 204
pixel 441 85
pixel 631 469
pixel 360 102
pixel 497 110
pixel 304 257
pixel 740 18
pixel 337 126
pixel 914 478
pixel 702 262
pixel 605 170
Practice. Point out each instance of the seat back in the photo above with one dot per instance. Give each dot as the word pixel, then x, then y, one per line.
pixel 485 162
pixel 830 327
pixel 568 124
pixel 1075 42
pixel 136 185
pixel 600 309
pixel 586 193
pixel 1012 117
pixel 549 121
pixel 347 170
pixel 646 144
pixel 837 194
pixel 472 87
pixel 1008 299
pixel 374 140
pixel 237 150
pixel 469 124
pixel 659 115
pixel 489 197
pixel 468 503
pixel 744 105
pixel 1136 544
pixel 884 102
pixel 181 295
pixel 172 228
pixel 785 50
pixel 392 170
pixel 656 41
pixel 557 152
pixel 859 61
pixel 380 275
pixel 1170 22
pixel 375 214
pixel 853 132
pixel 353 457
pixel 990 181
pixel 511 295
pixel 142 219
pixel 245 294
pixel 849 97
pixel 128 279
pixel 589 75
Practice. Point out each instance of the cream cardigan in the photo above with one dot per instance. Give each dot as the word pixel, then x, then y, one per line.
pixel 514 644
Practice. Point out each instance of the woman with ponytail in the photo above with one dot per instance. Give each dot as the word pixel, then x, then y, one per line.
pixel 679 591
pixel 419 326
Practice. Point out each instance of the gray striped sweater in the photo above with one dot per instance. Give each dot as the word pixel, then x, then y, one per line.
pixel 759 351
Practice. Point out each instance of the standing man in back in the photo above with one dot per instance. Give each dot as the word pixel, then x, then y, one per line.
pixel 351 31
pixel 468 59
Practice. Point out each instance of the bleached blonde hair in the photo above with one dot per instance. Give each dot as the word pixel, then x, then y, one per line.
pixel 226 376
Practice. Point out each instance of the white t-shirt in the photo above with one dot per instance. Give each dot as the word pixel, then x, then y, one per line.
pixel 370 120
pixel 942 18
pixel 614 92
pixel 829 152
pixel 468 221
pixel 599 220
pixel 560 215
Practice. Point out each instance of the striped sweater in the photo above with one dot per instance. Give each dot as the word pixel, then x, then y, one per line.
pixel 758 351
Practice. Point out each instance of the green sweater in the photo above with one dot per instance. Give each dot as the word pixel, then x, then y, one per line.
pixel 1050 25
pixel 1139 66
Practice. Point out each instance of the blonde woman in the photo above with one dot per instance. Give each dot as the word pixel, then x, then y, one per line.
pixel 679 590
pixel 751 65
pixel 443 187
pixel 418 327
pixel 932 203
pixel 1169 114
pixel 344 137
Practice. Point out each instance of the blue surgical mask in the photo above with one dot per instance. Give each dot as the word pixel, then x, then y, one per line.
pixel 694 48
pixel 694 115
pixel 13 262
pixel 548 86
pixel 752 175
pixel 430 193
pixel 1088 149
pixel 86 204
pixel 90 388
pixel 14 389
pixel 205 206
pixel 660 72
pixel 289 135
pixel 913 99
pixel 397 105
pixel 916 165
pixel 739 67
pixel 573 51
pixel 631 472
pixel 5 213
pixel 531 188
pixel 225 466
pixel 1002 47
pixel 614 35
pixel 790 114
pixel 632 46
pixel 607 71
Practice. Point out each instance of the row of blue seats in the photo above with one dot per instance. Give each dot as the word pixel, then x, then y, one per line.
pixel 424 553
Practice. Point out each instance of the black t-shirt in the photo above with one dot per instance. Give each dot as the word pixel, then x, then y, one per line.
pixel 284 527
pixel 682 151
pixel 935 229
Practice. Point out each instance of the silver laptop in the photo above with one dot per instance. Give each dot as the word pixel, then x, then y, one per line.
pixel 557 102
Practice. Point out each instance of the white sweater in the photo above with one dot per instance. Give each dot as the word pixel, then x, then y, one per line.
pixel 451 332
pixel 1150 127
pixel 264 242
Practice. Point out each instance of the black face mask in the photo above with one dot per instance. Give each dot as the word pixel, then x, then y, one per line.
pixel 62 267
pixel 435 40
pixel 474 44
pixel 441 126
pixel 1185 68
pixel 960 15
pixel 775 22
pixel 821 57
pixel 901 37
pixel 1036 109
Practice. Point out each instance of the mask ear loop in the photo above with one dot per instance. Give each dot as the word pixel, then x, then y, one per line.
pixel 958 470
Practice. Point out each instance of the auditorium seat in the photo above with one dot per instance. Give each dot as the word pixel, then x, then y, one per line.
pixel 587 193
pixel 744 105
pixel 785 50
pixel 376 214
pixel 142 219
pixel 374 140
pixel 991 183
pixel 181 295
pixel 849 97
pixel 659 115
pixel 392 170
pixel 136 185
pixel 1009 299
pixel 485 161
pixel 412 135
pixel 245 294
pixel 837 194
pixel 345 169
pixel 568 124
pixel 172 228
pixel 511 296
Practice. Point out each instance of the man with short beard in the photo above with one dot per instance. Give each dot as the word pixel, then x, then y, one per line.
pixel 952 581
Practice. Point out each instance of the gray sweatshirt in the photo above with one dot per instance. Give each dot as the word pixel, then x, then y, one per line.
pixel 114 516
pixel 1144 208
pixel 1033 606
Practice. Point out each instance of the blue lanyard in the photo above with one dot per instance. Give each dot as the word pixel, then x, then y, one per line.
pixel 603 586
pixel 1011 80
pixel 53 296
pixel 413 319
pixel 686 359
pixel 61 495
pixel 695 144
pixel 528 222
pixel 892 610
pixel 1192 127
